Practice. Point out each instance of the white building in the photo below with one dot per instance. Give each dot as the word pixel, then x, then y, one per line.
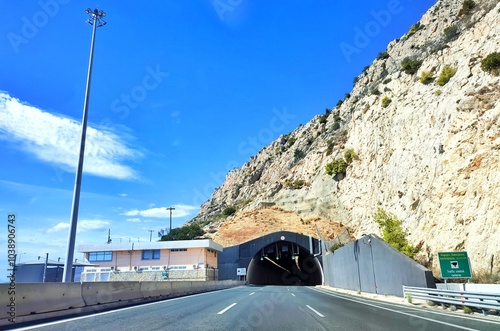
pixel 160 256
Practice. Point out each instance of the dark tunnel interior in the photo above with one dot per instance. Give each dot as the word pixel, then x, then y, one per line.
pixel 284 263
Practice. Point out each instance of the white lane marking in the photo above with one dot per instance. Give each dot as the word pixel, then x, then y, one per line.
pixel 293 294
pixel 402 313
pixel 252 293
pixel 120 309
pixel 315 311
pixel 226 309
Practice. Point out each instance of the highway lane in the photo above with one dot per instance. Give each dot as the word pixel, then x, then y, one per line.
pixel 269 308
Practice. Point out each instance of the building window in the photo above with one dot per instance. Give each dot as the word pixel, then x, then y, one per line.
pixel 152 254
pixel 178 267
pixel 179 250
pixel 100 256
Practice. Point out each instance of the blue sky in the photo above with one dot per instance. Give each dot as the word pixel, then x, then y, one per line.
pixel 182 92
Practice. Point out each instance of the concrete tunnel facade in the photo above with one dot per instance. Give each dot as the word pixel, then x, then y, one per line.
pixel 279 258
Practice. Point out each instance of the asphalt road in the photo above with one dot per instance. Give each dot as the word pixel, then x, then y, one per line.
pixel 271 308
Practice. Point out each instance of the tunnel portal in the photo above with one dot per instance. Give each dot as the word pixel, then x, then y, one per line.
pixel 284 263
pixel 278 258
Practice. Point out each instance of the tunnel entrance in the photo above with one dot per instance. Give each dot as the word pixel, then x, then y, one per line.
pixel 284 263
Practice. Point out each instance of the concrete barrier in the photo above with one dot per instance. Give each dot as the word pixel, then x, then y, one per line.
pixel 95 293
pixel 198 287
pixel 211 285
pixel 482 288
pixel 35 298
pixel 36 301
pixel 181 287
pixel 156 289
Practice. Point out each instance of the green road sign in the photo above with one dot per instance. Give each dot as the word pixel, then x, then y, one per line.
pixel 454 265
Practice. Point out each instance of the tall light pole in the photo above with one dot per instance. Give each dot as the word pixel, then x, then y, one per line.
pixel 96 20
pixel 170 208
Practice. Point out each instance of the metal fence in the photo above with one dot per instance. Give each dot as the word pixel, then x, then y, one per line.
pixel 339 241
pixel 483 301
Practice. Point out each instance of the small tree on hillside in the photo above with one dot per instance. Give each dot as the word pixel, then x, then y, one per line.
pixel 491 64
pixel 186 232
pixel 393 233
pixel 229 211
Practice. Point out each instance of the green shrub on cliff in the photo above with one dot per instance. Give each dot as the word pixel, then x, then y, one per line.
pixel 393 233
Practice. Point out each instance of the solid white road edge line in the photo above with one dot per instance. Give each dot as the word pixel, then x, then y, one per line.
pixel 403 313
pixel 293 294
pixel 252 293
pixel 118 310
pixel 471 318
pixel 315 311
pixel 226 309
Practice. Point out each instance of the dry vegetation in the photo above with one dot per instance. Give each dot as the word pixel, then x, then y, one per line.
pixel 249 225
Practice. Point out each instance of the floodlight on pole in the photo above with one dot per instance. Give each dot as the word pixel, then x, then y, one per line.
pixel 96 21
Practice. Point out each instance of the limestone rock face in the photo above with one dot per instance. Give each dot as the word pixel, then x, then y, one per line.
pixel 431 156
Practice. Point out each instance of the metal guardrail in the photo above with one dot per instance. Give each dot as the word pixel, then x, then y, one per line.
pixel 483 301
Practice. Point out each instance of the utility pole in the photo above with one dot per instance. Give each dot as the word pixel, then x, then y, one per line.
pixel 170 208
pixel 150 234
pixel 96 21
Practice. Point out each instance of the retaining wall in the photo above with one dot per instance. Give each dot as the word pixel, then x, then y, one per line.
pixel 371 265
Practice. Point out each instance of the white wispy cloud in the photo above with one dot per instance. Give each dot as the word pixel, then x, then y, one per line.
pixel 134 220
pixel 56 140
pixel 58 227
pixel 161 212
pixel 83 225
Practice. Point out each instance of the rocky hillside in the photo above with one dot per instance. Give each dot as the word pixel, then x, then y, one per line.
pixel 427 147
pixel 248 225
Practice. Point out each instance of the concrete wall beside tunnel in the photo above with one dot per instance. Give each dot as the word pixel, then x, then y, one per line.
pixel 280 258
pixel 371 265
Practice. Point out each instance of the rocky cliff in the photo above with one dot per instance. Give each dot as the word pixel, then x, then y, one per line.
pixel 427 152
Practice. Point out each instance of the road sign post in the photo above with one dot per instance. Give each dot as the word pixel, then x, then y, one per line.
pixel 241 273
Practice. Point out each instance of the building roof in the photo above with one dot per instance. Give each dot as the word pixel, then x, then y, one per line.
pixel 52 263
pixel 139 246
